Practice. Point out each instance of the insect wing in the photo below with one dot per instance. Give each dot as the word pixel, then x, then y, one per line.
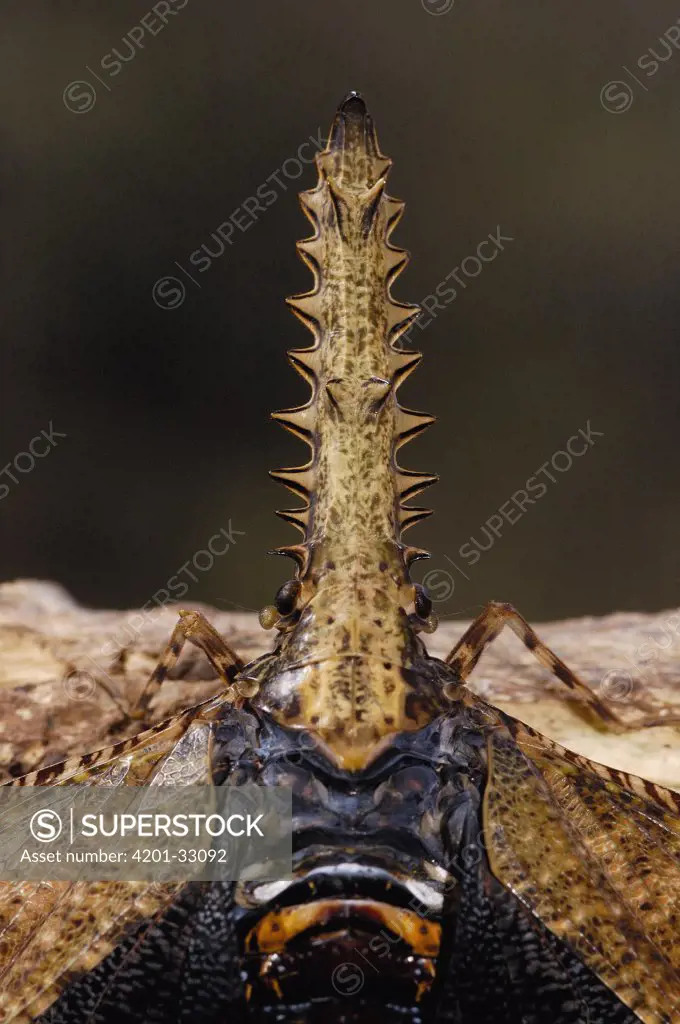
pixel 595 854
pixel 52 931
pixel 128 762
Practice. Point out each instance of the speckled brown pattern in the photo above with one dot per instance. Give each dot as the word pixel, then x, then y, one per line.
pixel 345 662
pixel 53 931
pixel 598 863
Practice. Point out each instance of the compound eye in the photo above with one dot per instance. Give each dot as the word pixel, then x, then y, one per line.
pixel 287 596
pixel 423 602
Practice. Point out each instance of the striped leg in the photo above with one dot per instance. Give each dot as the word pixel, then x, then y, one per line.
pixel 194 627
pixel 489 624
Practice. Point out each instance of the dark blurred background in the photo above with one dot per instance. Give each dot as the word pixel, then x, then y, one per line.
pixel 497 114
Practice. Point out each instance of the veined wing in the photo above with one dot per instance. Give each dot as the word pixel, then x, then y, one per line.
pixel 51 931
pixel 595 854
pixel 129 761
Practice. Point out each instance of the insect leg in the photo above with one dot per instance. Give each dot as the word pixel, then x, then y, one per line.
pixel 194 627
pixel 486 628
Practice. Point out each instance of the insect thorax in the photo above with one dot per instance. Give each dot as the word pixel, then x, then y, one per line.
pixel 371 868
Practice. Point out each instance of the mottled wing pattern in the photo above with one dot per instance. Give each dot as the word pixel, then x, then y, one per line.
pixel 595 854
pixel 52 931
